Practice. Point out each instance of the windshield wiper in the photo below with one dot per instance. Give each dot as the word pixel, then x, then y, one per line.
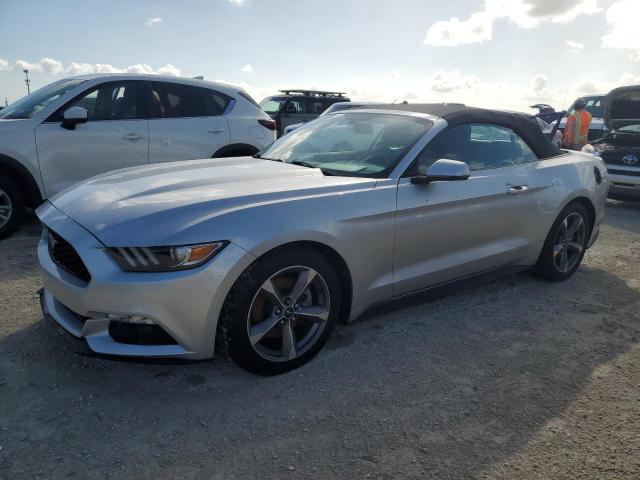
pixel 325 171
pixel 257 155
pixel 303 164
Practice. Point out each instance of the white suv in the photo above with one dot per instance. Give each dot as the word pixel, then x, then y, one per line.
pixel 79 127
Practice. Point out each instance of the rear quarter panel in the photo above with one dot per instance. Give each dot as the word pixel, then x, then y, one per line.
pixel 560 180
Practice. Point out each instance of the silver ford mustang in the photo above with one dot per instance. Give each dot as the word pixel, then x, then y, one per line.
pixel 259 257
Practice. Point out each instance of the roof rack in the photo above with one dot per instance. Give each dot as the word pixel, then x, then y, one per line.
pixel 313 93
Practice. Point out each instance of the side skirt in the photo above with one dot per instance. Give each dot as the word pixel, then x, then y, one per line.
pixel 440 290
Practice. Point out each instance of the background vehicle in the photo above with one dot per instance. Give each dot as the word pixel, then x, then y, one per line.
pixel 597 129
pixel 299 106
pixel 620 148
pixel 336 107
pixel 268 253
pixel 82 126
pixel 545 112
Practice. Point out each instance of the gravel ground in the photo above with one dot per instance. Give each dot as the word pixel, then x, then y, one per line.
pixel 517 378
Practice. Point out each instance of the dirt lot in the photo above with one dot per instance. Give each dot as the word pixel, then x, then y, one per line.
pixel 517 378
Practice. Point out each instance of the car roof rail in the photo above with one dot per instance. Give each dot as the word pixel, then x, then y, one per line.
pixel 313 93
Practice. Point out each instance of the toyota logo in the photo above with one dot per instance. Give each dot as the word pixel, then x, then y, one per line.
pixel 630 159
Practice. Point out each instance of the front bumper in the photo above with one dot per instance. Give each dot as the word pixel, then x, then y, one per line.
pixel 624 180
pixel 184 304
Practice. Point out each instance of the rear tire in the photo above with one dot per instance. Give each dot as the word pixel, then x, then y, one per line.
pixel 281 311
pixel 565 245
pixel 12 207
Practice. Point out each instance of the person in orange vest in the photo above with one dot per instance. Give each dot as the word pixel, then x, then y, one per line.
pixel 576 130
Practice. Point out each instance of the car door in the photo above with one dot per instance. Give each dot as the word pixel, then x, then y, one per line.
pixel 114 136
pixel 185 122
pixel 447 230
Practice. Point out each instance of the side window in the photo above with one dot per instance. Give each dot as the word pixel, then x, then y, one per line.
pixel 215 102
pixel 480 146
pixel 294 106
pixel 316 107
pixel 173 100
pixel 109 101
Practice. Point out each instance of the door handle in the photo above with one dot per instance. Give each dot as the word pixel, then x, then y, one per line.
pixel 216 130
pixel 517 190
pixel 132 136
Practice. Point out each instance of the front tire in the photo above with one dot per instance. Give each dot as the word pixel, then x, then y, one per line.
pixel 565 245
pixel 12 208
pixel 281 311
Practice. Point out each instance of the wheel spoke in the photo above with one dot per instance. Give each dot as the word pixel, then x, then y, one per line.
pixel 575 226
pixel 575 246
pixel 563 260
pixel 288 342
pixel 272 292
pixel 565 226
pixel 316 314
pixel 305 277
pixel 260 330
pixel 557 249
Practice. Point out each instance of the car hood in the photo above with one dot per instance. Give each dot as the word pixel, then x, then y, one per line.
pixel 622 107
pixel 163 202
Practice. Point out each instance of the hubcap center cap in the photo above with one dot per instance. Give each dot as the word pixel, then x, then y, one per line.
pixel 288 313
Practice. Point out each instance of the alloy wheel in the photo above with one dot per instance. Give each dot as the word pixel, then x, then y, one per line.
pixel 6 208
pixel 288 314
pixel 570 242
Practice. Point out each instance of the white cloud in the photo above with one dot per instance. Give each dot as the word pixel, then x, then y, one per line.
pixel 169 69
pixel 142 68
pixel 247 69
pixel 622 17
pixel 76 68
pixel 478 27
pixel 51 66
pixel 24 65
pixel 574 45
pixel 450 81
pixel 630 79
pixel 237 2
pixel 539 87
pixel 153 21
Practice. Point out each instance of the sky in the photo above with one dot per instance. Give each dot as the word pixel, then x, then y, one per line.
pixel 489 53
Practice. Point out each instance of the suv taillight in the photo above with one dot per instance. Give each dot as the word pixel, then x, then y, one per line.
pixel 270 124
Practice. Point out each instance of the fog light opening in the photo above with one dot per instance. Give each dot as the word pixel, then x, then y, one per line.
pixel 133 319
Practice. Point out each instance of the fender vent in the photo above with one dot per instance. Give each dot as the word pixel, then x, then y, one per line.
pixel 66 257
pixel 598 175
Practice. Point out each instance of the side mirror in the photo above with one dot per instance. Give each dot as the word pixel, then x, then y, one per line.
pixel 73 116
pixel 443 170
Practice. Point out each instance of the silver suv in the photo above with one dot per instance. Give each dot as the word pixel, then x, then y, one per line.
pixel 79 127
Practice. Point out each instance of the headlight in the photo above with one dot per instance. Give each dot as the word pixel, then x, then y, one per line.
pixel 165 259
pixel 588 148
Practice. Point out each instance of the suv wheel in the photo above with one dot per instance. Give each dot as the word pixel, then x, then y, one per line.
pixel 281 311
pixel 11 206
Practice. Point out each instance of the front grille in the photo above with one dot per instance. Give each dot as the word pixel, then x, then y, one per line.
pixel 615 158
pixel 66 257
pixel 630 173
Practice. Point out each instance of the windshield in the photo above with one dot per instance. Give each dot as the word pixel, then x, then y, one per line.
pixel 272 105
pixel 28 106
pixel 351 144
pixel 594 106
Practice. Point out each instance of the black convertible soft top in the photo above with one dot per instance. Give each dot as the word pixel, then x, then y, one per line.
pixel 457 114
